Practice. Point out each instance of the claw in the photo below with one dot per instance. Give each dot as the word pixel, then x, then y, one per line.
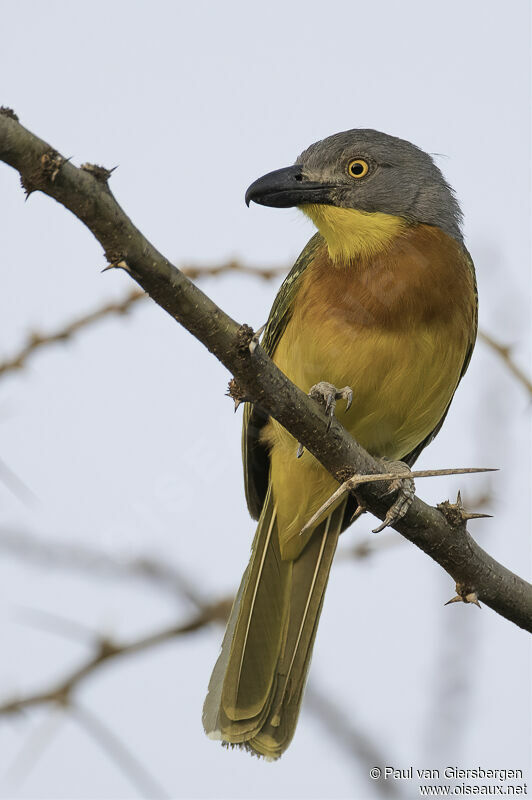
pixel 406 488
pixel 347 394
pixel 327 394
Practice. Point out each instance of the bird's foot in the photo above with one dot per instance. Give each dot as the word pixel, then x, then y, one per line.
pixel 406 491
pixel 326 395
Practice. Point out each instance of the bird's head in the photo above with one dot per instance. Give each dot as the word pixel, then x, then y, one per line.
pixel 360 188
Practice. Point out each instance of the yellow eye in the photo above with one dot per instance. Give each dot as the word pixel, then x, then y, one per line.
pixel 358 168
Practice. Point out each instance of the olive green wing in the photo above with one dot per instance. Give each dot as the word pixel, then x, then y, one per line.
pixel 416 452
pixel 254 453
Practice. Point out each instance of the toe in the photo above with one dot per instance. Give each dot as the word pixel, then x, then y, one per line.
pixel 406 489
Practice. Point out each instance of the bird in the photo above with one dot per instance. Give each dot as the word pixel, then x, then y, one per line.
pixel 383 302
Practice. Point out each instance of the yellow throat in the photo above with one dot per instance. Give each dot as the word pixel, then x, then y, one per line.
pixel 352 234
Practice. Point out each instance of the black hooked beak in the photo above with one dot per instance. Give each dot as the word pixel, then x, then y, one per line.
pixel 287 187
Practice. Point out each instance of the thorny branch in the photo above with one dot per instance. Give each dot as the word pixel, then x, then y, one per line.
pixel 162 574
pixel 440 532
pixel 90 199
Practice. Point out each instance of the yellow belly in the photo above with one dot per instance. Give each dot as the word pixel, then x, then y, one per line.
pixel 402 383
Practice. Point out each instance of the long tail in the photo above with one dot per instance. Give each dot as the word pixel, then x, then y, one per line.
pixel 257 683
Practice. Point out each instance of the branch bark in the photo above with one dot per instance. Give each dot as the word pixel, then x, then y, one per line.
pixel 439 532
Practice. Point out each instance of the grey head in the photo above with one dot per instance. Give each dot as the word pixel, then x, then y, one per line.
pixel 369 171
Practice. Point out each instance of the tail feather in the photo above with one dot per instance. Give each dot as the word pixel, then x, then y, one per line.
pixel 309 581
pixel 257 684
pixel 241 685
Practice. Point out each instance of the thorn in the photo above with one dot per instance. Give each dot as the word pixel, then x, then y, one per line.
pixel 236 394
pixel 300 450
pixel 358 512
pixel 254 343
pixel 118 263
pixel 28 187
pixel 464 596
pixel 101 174
pixel 455 513
pixel 472 598
pixel 456 599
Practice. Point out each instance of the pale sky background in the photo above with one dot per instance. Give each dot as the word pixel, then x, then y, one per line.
pixel 193 101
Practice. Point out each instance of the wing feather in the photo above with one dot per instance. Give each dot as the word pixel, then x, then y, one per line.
pixel 254 453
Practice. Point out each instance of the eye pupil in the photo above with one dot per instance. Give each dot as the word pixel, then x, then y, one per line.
pixel 358 168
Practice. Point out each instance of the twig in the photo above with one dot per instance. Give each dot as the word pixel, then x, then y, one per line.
pixel 63 554
pixel 355 743
pixel 62 699
pixel 34 747
pixel 504 351
pixel 16 485
pixel 37 340
pixel 140 777
pixel 362 550
pixel 449 712
pixel 106 651
pixel 54 623
pixel 437 531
